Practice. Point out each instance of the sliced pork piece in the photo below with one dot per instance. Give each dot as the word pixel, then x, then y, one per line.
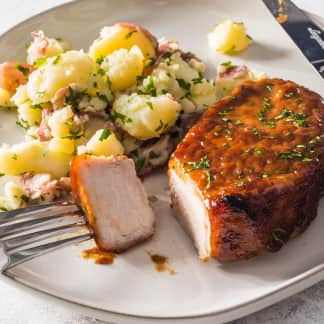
pixel 114 200
pixel 249 175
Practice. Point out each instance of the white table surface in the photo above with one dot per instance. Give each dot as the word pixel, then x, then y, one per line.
pixel 19 307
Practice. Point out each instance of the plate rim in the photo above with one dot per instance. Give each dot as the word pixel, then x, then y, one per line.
pixel 293 286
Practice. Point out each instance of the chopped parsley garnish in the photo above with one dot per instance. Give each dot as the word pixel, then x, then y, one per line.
pixel 223 113
pixel 101 72
pixel 23 123
pixel 226 120
pixel 313 143
pixel 167 57
pixel 299 119
pixel 74 97
pixel 14 157
pixel 238 122
pixel 103 97
pixel 269 87
pixel 116 115
pixel 265 175
pixel 22 69
pixel 209 179
pixel 139 164
pixel 105 134
pixel 2 174
pixel 258 151
pixel 95 84
pixel 289 94
pixel 149 87
pixel 151 61
pixel 267 103
pixel 41 93
pixel 240 184
pixel 161 126
pixel 249 37
pixel 183 84
pixel 261 115
pixel 277 234
pixel 270 123
pixel 99 59
pixel 36 106
pixel 153 155
pixel 198 79
pixel 57 59
pixel 234 98
pixel 227 64
pixel 204 163
pixel 149 104
pixel 140 77
pixel 3 209
pixel 306 159
pixel 74 133
pixel 255 131
pixel 228 131
pixel 39 62
pixel 240 174
pixel 284 114
pixel 248 150
pixel 129 34
pixel 289 155
pixel 25 198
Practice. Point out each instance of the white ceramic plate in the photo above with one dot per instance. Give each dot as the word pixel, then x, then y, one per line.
pixel 131 290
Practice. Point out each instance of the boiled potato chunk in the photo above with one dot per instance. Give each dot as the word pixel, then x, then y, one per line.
pixel 20 96
pixel 15 196
pixel 63 145
pixel 143 116
pixel 29 114
pixel 72 67
pixel 38 157
pixel 59 122
pixel 104 142
pixel 123 67
pixel 123 35
pixel 229 37
pixel 43 46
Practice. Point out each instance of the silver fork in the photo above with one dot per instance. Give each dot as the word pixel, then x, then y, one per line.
pixel 30 232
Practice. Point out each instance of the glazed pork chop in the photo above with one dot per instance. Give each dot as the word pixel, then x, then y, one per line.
pixel 114 200
pixel 249 175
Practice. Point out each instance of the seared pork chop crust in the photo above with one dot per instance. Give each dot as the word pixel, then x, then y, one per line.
pixel 256 161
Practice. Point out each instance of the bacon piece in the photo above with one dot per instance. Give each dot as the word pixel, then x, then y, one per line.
pixel 44 131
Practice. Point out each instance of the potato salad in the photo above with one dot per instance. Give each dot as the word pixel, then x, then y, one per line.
pixel 126 94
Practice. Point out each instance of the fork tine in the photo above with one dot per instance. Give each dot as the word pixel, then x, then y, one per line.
pixel 35 218
pixel 37 211
pixel 31 253
pixel 22 241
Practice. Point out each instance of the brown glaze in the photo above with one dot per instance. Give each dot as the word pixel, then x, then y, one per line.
pixel 263 177
pixel 161 263
pixel 99 256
